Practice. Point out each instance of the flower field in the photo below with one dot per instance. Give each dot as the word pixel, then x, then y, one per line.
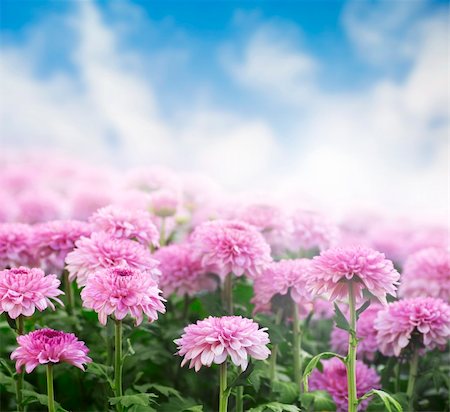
pixel 150 290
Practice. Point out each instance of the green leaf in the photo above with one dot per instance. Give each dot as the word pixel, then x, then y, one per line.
pixel 313 364
pixel 287 392
pixel 164 390
pixel 32 397
pixel 180 405
pixel 317 401
pixel 362 308
pixel 339 318
pixel 389 402
pixel 102 371
pixel 241 379
pixel 11 322
pixel 275 407
pixel 142 399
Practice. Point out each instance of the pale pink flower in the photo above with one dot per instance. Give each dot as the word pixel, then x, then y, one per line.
pixel 164 203
pixel 427 273
pixel 312 231
pixel 45 346
pixel 23 290
pixel 102 251
pixel 126 224
pixel 181 272
pixel 422 320
pixel 333 379
pixel 365 332
pixel 332 271
pixel 84 201
pixel 52 241
pixel 121 290
pixel 36 206
pixel 322 308
pixel 229 246
pixel 15 245
pixel 212 340
pixel 283 277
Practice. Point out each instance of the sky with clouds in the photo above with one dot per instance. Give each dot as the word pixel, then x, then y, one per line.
pixel 345 103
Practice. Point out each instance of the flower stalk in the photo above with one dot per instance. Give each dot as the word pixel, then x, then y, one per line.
pixel 223 390
pixel 118 362
pixel 297 341
pixel 351 357
pixel 50 392
pixel 227 294
pixel 69 293
pixel 413 369
pixel 19 382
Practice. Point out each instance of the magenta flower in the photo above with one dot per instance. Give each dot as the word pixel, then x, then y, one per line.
pixel 126 224
pixel 45 346
pixel 15 245
pixel 312 231
pixel 53 240
pixel 283 277
pixel 231 247
pixel 366 334
pixel 422 320
pixel 122 290
pixel 212 340
pixel 334 269
pixel 427 273
pixel 23 290
pixel 181 272
pixel 333 379
pixel 102 251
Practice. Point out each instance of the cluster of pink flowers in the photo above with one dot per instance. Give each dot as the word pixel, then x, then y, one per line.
pixel 422 321
pixel 331 272
pixel 212 340
pixel 427 273
pixel 181 271
pixel 120 290
pixel 227 246
pixel 333 379
pixel 45 346
pixel 15 245
pixel 282 277
pixel 24 290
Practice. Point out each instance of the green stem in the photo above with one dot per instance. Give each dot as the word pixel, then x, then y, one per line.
pixel 274 352
pixel 240 399
pixel 162 232
pixel 19 382
pixel 297 342
pixel 118 362
pixel 69 293
pixel 51 398
pixel 227 296
pixel 414 366
pixel 223 393
pixel 351 357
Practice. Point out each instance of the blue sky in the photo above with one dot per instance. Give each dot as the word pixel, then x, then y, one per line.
pixel 336 100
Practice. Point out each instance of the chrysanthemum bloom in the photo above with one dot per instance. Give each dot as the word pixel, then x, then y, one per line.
pixel 332 271
pixel 427 273
pixel 424 321
pixel 212 340
pixel 274 224
pixel 103 251
pixel 126 224
pixel 36 206
pixel 23 290
pixel 333 379
pixel 15 245
pixel 53 240
pixel 84 201
pixel 122 290
pixel 231 247
pixel 164 203
pixel 46 346
pixel 283 277
pixel 312 231
pixel 366 334
pixel 181 272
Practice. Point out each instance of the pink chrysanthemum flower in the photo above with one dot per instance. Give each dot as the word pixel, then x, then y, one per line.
pixel 333 379
pixel 332 271
pixel 15 245
pixel 53 240
pixel 229 246
pixel 212 340
pixel 164 203
pixel 126 224
pixel 427 273
pixel 424 321
pixel 103 251
pixel 285 276
pixel 45 346
pixel 366 334
pixel 273 223
pixel 23 290
pixel 312 231
pixel 122 290
pixel 36 206
pixel 181 272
